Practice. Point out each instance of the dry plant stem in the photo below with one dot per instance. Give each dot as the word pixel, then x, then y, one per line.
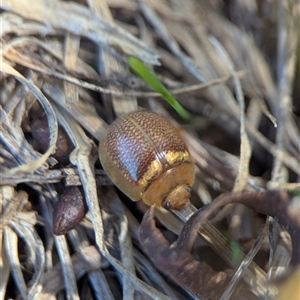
pixel 19 50
pixel 291 161
pixel 125 245
pixel 12 137
pixel 246 55
pixel 267 79
pixel 220 94
pixel 100 285
pixel 273 203
pixel 21 224
pixel 242 50
pixel 67 268
pixel 263 107
pixel 88 120
pixel 209 163
pixel 287 186
pixel 171 43
pixel 37 254
pixel 224 249
pixel 26 61
pixel 72 43
pixel 51 121
pixel 200 86
pixel 288 160
pixel 9 106
pixel 150 274
pixel 77 19
pixel 10 204
pixel 50 177
pixel 287 44
pixel 86 260
pixel 246 263
pixel 170 220
pixel 270 202
pixel 46 213
pixel 69 175
pixel 50 58
pixel 79 241
pixel 259 84
pixel 288 25
pixel 22 59
pixel 10 242
pixel 108 64
pixel 4 268
pixel 245 150
pixel 72 129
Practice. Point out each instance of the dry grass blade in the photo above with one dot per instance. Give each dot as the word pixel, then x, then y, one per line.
pixel 125 244
pixel 172 44
pixel 37 257
pixel 109 66
pixel 21 225
pixel 245 148
pixel 100 285
pixel 72 44
pixel 233 65
pixel 51 177
pixel 67 268
pixel 252 273
pixel 77 19
pixel 51 121
pixel 82 112
pixel 5 270
pixel 11 240
pixel 245 151
pixel 88 260
pixel 288 37
pixel 263 202
pixel 245 265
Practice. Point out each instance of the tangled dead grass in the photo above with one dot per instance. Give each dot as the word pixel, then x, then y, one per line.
pixel 234 65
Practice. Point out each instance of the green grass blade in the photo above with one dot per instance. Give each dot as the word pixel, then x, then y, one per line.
pixel 151 79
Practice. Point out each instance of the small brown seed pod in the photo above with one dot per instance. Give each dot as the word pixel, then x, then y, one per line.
pixel 64 146
pixel 146 158
pixel 69 211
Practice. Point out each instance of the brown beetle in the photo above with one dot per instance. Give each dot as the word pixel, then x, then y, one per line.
pixel 146 158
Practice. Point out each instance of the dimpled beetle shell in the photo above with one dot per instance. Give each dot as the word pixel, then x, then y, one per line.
pixel 146 158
